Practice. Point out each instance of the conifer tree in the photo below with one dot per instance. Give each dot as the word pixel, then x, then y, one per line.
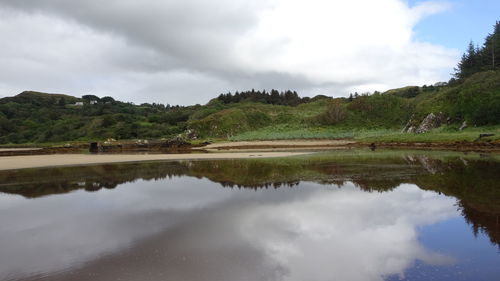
pixel 477 59
pixel 470 62
pixel 491 49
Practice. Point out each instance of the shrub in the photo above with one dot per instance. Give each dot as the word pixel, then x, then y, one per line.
pixel 334 114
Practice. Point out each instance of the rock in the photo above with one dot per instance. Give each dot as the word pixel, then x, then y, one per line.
pixel 466 163
pixel 141 143
pixel 191 134
pixel 430 122
pixel 464 125
pixel 175 143
pixel 408 125
pixel 95 147
pixel 485 135
pixel 431 165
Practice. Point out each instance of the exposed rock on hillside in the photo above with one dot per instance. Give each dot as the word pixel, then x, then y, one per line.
pixel 430 122
pixel 464 125
pixel 409 126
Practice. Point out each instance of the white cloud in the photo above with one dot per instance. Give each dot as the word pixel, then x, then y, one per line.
pixel 340 42
pixel 189 51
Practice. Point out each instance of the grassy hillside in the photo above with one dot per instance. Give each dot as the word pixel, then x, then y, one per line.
pixel 33 117
pixel 381 116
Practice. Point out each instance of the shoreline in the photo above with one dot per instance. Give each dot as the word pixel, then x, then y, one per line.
pixel 462 146
pixel 24 158
pixel 57 160
pixel 276 145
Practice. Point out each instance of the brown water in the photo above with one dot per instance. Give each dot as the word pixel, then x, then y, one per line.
pixel 353 215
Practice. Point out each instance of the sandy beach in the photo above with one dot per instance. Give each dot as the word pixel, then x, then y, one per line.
pixel 19 149
pixel 37 161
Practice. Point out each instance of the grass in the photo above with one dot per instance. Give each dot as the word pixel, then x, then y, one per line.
pixel 443 134
pixel 297 131
pixel 439 135
pixel 286 132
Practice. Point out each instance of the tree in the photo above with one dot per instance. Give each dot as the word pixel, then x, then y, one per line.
pixel 470 62
pixel 477 59
pixel 108 99
pixel 491 49
pixel 62 101
pixel 275 97
pixel 89 98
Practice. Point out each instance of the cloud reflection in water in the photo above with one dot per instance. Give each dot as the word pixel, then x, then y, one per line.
pixel 192 229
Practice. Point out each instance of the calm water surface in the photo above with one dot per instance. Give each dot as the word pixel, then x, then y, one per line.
pixel 354 215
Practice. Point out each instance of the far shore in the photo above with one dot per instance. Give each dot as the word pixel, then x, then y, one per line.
pixel 54 160
pixel 21 158
pixel 273 145
pixel 322 144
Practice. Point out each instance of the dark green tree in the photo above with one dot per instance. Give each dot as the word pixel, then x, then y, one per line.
pixel 90 98
pixel 491 49
pixel 470 62
pixel 477 59
pixel 62 101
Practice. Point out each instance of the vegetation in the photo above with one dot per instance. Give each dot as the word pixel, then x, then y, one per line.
pixel 274 97
pixel 472 96
pixel 477 59
pixel 33 117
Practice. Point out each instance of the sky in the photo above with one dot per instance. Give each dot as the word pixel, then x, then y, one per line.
pixel 189 51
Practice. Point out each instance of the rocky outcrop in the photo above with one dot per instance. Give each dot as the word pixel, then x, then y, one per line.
pixel 464 125
pixel 409 127
pixel 411 130
pixel 430 122
pixel 176 143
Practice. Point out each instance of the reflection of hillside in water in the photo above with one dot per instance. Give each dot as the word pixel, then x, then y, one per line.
pixel 473 181
pixel 33 183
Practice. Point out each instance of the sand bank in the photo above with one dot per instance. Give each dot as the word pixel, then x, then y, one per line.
pixel 37 161
pixel 277 144
pixel 18 149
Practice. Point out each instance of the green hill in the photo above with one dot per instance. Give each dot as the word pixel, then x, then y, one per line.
pixel 471 98
pixel 34 117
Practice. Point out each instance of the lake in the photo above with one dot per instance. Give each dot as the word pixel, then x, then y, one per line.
pixel 340 215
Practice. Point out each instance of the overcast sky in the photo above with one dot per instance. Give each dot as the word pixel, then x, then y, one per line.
pixel 188 51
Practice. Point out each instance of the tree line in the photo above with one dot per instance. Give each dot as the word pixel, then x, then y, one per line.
pixel 480 58
pixel 275 97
